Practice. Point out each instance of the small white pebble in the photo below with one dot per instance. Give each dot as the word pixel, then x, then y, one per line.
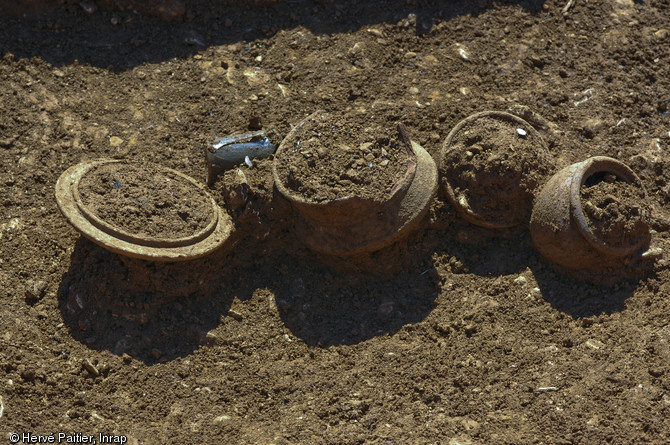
pixel 521 132
pixel 463 53
pixel 248 161
pixel 520 280
pixel 221 419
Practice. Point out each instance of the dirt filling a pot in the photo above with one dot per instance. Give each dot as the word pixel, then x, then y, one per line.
pixel 496 167
pixel 616 211
pixel 343 160
pixel 144 201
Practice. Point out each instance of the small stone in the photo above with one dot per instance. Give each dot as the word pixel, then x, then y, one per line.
pixel 35 289
pixel 521 280
pixel 661 34
pixel 90 367
pixel 255 123
pixel 413 91
pixel 221 419
pixel 27 374
pixel 656 372
pixel 7 141
pixel 115 141
pixel 591 127
pixel 365 146
pixel 356 49
pixel 410 54
pixel 462 52
pixel 210 338
pixel 521 132
pixel 88 7
pixel 322 152
pixel 236 315
pixel 384 163
pixel 594 344
pixel 114 20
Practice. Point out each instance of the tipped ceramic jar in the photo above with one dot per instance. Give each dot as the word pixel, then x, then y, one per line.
pixel 356 220
pixel 592 216
pixel 490 167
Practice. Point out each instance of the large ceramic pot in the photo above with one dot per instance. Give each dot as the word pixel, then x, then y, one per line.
pixel 353 225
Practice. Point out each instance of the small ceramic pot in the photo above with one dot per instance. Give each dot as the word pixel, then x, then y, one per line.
pixel 506 192
pixel 353 225
pixel 559 226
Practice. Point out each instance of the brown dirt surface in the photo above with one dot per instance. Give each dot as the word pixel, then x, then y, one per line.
pixel 496 168
pixel 616 211
pixel 344 156
pixel 145 201
pixel 457 335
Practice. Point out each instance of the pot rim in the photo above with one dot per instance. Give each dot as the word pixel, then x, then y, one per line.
pixel 588 168
pixel 137 239
pixel 199 245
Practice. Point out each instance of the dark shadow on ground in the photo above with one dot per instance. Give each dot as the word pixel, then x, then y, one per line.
pixel 326 301
pixel 485 252
pixel 571 294
pixel 121 39
pixel 157 312
pixel 151 311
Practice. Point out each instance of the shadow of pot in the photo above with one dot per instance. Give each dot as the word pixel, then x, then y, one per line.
pixel 353 225
pixel 490 165
pixel 560 229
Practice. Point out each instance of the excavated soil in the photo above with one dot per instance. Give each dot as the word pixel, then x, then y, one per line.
pixel 494 166
pixel 457 335
pixel 145 201
pixel 616 211
pixel 342 156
